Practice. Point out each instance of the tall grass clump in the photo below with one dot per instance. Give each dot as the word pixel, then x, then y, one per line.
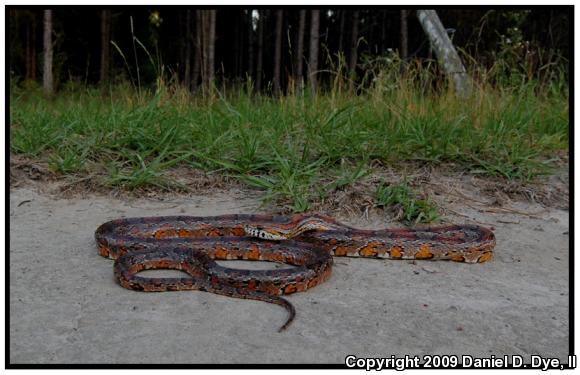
pixel 299 148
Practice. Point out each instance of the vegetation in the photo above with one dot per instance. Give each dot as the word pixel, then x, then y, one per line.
pixel 288 145
pixel 301 146
pixel 410 208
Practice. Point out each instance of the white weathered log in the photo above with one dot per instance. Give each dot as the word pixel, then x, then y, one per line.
pixel 446 53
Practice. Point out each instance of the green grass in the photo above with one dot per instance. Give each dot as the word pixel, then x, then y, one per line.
pixel 298 149
pixel 401 198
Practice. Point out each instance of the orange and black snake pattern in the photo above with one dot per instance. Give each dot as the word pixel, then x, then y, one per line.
pixel 307 242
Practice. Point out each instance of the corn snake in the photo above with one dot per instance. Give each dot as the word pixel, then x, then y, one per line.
pixel 307 242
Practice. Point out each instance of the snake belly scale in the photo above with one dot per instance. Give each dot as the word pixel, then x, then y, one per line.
pixel 307 242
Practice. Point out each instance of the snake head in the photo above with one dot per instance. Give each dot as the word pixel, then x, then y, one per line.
pixel 266 234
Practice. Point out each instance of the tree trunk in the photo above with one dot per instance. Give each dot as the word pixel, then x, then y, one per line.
pixel 353 47
pixel 182 21
pixel 197 62
pixel 300 51
pixel 188 43
pixel 372 33
pixel 208 22
pixel 446 53
pixel 341 31
pixel 250 70
pixel 211 47
pixel 277 53
pixel 28 49
pixel 33 55
pixel 313 55
pixel 47 78
pixel 241 47
pixel 105 45
pixel 259 73
pixel 204 42
pixel 236 46
pixel 404 35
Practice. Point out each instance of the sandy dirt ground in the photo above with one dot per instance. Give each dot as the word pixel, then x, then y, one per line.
pixel 65 306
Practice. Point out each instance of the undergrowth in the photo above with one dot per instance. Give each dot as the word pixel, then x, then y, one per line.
pixel 293 145
pixel 408 207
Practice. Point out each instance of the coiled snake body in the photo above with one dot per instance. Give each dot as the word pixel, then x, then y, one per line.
pixel 192 244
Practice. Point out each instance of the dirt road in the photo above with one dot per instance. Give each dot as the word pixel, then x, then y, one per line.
pixel 66 308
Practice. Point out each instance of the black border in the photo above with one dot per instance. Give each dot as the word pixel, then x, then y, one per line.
pixel 7 8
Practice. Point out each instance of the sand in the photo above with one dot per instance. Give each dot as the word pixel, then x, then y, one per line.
pixel 65 306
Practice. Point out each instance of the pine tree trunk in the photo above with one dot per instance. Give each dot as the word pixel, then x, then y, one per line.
pixel 404 35
pixel 260 56
pixel 237 27
pixel 28 48
pixel 197 61
pixel 250 70
pixel 241 57
pixel 47 77
pixel 188 43
pixel 211 48
pixel 313 55
pixel 33 49
pixel 105 45
pixel 341 31
pixel 372 42
pixel 353 48
pixel 182 21
pixel 204 42
pixel 277 53
pixel 300 51
pixel 207 48
pixel 446 53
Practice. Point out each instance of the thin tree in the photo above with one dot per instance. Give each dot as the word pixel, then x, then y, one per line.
pixel 14 15
pixel 241 45
pixel 30 51
pixel 299 59
pixel 211 47
pixel 207 37
pixel 372 33
pixel 105 45
pixel 204 41
pixel 277 53
pixel 313 54
pixel 197 61
pixel 353 47
pixel 341 31
pixel 47 78
pixel 404 35
pixel 250 70
pixel 261 15
pixel 237 26
pixel 446 53
pixel 188 43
